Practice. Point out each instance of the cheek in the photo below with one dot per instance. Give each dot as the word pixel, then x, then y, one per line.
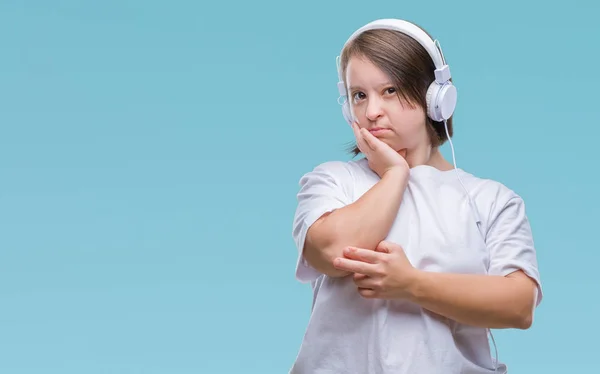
pixel 409 123
pixel 410 126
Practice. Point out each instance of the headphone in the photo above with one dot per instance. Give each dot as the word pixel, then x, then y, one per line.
pixel 441 94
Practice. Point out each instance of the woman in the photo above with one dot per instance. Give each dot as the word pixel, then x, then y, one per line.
pixel 411 259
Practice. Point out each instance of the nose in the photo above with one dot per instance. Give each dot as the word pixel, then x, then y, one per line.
pixel 374 108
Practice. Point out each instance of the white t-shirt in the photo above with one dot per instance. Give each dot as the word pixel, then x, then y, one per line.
pixel 436 228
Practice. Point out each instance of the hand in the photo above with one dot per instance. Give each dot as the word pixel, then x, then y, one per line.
pixel 385 273
pixel 380 155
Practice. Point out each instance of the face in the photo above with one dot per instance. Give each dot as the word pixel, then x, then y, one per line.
pixel 376 106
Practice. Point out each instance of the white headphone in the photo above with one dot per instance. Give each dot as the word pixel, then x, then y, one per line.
pixel 441 94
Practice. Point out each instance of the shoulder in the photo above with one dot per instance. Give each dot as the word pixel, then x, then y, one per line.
pixel 484 190
pixel 334 178
pixel 487 186
pixel 334 168
pixel 492 197
pixel 337 171
pixel 490 190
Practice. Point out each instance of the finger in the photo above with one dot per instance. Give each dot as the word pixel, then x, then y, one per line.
pixel 355 129
pixel 354 266
pixel 369 139
pixel 367 293
pixel 360 141
pixel 367 282
pixel 387 247
pixel 382 249
pixel 374 141
pixel 359 278
pixel 356 132
pixel 361 254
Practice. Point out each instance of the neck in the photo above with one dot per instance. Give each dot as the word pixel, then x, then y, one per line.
pixel 428 156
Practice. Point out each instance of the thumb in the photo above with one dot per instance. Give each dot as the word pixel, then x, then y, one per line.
pixel 385 247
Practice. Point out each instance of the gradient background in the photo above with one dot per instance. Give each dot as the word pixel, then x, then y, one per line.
pixel 150 154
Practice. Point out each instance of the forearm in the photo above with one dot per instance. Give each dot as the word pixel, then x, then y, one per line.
pixel 368 220
pixel 364 223
pixel 477 300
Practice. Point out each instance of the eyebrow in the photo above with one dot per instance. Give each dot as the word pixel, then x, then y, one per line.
pixel 352 88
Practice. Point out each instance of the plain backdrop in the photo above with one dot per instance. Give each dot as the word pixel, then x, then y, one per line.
pixel 150 154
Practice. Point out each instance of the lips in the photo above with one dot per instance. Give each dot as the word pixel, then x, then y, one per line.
pixel 378 130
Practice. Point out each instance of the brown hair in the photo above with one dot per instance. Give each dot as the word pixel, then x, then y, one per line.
pixel 406 63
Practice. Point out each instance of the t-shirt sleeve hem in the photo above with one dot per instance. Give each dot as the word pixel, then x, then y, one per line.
pixel 322 190
pixel 530 271
pixel 305 273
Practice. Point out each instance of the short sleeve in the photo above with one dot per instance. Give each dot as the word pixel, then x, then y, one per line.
pixel 510 241
pixel 322 190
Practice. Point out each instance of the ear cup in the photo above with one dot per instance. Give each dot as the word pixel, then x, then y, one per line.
pixel 347 112
pixel 431 91
pixel 441 101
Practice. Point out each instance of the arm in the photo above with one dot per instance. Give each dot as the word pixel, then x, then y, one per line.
pixel 489 301
pixel 504 297
pixel 363 223
pixel 507 295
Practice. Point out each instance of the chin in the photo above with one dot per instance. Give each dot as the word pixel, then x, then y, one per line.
pixel 393 144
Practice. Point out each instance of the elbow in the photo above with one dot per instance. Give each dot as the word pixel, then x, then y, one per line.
pixel 523 307
pixel 321 259
pixel 524 319
pixel 513 320
pixel 326 267
pixel 321 250
pixel 328 256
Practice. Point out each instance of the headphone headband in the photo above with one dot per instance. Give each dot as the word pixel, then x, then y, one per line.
pixel 409 29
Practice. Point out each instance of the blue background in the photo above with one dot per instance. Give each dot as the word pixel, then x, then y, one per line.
pixel 150 154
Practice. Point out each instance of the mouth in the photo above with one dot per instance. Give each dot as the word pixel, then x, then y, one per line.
pixel 378 131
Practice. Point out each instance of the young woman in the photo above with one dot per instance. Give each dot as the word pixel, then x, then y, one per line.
pixel 411 259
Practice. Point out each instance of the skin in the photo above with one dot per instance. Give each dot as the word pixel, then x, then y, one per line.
pixel 384 271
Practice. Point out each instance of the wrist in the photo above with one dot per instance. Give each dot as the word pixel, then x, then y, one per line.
pixel 416 288
pixel 398 173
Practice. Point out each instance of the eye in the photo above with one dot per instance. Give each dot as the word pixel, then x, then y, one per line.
pixel 358 96
pixel 390 90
